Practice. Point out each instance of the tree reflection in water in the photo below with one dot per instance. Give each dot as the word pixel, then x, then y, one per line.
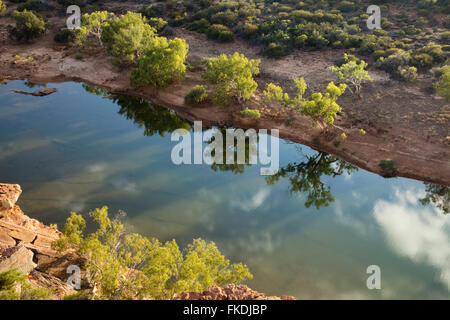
pixel 437 195
pixel 304 177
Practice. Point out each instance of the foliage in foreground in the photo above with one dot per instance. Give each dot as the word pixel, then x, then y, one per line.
pixel 14 286
pixel 2 6
pixel 233 77
pixel 129 266
pixel 161 63
pixel 28 25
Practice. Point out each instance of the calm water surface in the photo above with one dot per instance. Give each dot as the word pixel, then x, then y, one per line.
pixel 310 232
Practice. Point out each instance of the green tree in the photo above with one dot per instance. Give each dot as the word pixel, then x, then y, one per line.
pixel 2 6
pixel 161 63
pixel 233 76
pixel 92 26
pixel 321 108
pixel 28 25
pixel 353 73
pixel 126 265
pixel 442 86
pixel 127 36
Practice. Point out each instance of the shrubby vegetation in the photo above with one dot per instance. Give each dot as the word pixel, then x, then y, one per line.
pixel 2 6
pixel 251 113
pixel 233 77
pixel 161 63
pixel 15 286
pixel 196 95
pixel 28 25
pixel 127 36
pixel 125 265
pixel 320 108
pixel 442 86
pixel 353 73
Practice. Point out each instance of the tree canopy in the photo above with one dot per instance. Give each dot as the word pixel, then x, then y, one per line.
pixel 2 6
pixel 92 26
pixel 161 63
pixel 28 25
pixel 233 76
pixel 128 266
pixel 353 73
pixel 127 36
pixel 321 108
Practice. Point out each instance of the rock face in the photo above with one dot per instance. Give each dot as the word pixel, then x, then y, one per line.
pixel 9 194
pixel 17 257
pixel 231 292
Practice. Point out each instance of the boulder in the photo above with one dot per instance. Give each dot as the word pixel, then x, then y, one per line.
pixel 42 280
pixel 17 257
pixel 9 194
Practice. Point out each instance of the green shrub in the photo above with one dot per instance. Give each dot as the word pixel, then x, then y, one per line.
pixel 111 251
pixel 160 63
pixel 251 113
pixel 28 25
pixel 200 26
pixel 64 35
pixel 442 86
pixel 220 32
pixel 389 168
pixel 275 50
pixel 31 5
pixel 196 95
pixel 157 23
pixel 407 73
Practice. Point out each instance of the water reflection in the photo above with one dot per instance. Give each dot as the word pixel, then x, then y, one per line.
pixel 75 151
pixel 152 118
pixel 304 177
pixel 437 195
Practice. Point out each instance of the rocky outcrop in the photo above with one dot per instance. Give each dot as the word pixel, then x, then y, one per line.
pixel 9 194
pixel 16 227
pixel 230 292
pixel 17 257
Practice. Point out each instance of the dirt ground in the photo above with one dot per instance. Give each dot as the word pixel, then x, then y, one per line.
pixel 404 121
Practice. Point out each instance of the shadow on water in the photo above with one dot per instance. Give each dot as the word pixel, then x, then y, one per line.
pixel 305 176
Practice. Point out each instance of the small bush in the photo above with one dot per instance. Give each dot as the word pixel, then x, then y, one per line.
pixel 407 74
pixel 275 50
pixel 251 113
pixel 64 35
pixel 220 33
pixel 389 168
pixel 28 25
pixel 196 95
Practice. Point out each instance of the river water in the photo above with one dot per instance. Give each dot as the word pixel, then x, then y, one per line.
pixel 311 231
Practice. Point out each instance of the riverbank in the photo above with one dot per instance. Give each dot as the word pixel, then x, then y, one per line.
pixel 404 124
